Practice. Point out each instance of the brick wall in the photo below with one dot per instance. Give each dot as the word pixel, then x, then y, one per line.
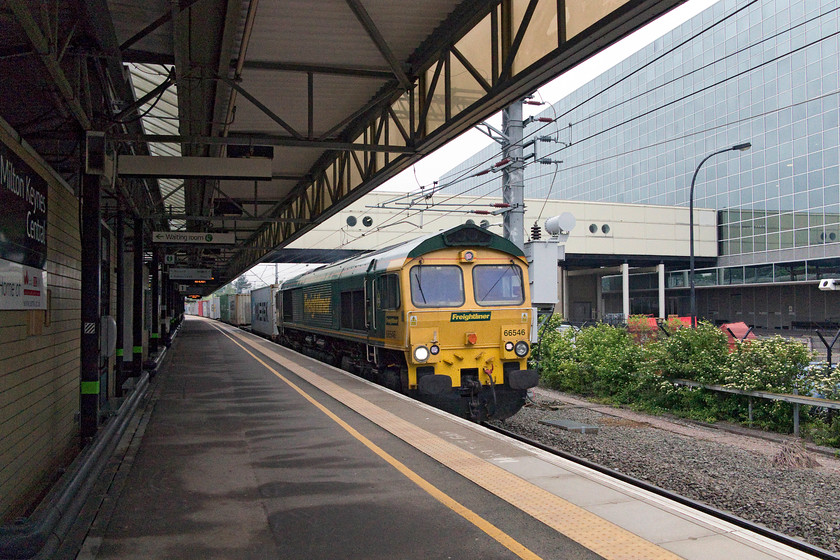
pixel 39 361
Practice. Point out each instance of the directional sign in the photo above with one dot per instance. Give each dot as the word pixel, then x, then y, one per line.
pixel 193 237
pixel 190 274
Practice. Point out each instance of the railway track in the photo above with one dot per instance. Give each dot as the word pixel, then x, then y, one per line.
pixel 792 542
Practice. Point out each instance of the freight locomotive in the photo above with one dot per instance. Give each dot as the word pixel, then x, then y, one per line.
pixel 444 318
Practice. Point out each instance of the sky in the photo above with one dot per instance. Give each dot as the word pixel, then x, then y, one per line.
pixel 432 167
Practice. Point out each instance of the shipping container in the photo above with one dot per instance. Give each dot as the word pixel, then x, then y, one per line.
pixel 225 301
pixel 262 311
pixel 215 305
pixel 240 310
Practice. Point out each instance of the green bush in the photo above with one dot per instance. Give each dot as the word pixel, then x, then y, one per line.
pixel 634 366
pixel 695 354
pixel 598 361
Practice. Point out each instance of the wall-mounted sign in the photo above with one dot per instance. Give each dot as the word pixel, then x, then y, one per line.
pixel 193 237
pixel 23 211
pixel 190 274
pixel 22 287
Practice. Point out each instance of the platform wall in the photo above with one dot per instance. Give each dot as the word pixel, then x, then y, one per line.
pixel 39 360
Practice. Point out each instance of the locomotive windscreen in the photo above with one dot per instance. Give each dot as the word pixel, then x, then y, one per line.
pixel 437 286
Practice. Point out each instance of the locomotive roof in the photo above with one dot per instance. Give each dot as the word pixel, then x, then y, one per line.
pixel 464 235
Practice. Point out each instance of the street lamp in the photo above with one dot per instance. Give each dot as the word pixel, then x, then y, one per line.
pixel 736 148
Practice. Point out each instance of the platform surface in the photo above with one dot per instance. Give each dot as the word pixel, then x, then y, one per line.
pixel 248 450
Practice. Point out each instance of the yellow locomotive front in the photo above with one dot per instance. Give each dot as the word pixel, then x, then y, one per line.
pixel 467 330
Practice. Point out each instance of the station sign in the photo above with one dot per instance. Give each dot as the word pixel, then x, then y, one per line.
pixel 190 274
pixel 194 237
pixel 23 211
pixel 22 287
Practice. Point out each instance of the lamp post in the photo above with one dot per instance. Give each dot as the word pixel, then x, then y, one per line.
pixel 736 148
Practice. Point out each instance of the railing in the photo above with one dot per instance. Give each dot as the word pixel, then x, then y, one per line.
pixel 796 400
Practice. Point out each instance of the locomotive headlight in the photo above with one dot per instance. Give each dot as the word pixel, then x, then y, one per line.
pixel 421 354
pixel 521 349
pixel 509 346
pixel 435 349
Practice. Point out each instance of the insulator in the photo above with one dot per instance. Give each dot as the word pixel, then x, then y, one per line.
pixel 536 232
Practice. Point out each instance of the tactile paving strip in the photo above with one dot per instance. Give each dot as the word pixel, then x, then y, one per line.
pixel 589 530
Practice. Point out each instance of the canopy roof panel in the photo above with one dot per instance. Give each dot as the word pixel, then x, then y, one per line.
pixel 341 94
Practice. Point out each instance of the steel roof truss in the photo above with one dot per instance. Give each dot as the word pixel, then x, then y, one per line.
pixel 46 52
pixel 241 139
pixel 436 111
pixel 426 95
pixel 373 32
pixel 152 27
pixel 356 72
pixel 517 40
pixel 261 106
pixel 471 69
pixel 218 189
pixel 405 136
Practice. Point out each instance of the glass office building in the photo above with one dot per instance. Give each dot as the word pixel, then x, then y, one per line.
pixel 763 72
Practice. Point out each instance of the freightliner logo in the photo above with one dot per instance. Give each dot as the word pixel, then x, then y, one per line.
pixel 465 317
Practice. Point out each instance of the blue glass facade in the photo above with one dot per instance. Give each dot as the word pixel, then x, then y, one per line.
pixel 762 72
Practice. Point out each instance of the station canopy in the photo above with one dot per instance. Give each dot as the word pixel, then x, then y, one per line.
pixel 311 104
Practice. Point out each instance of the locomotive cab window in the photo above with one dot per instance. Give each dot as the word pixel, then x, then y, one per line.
pixel 498 284
pixel 437 286
pixel 387 292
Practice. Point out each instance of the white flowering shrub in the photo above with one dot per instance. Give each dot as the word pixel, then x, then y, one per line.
pixel 775 365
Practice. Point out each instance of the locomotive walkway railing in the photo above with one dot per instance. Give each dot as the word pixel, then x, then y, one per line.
pixel 796 400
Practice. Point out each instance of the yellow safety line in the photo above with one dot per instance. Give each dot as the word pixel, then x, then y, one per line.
pixel 591 531
pixel 500 536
